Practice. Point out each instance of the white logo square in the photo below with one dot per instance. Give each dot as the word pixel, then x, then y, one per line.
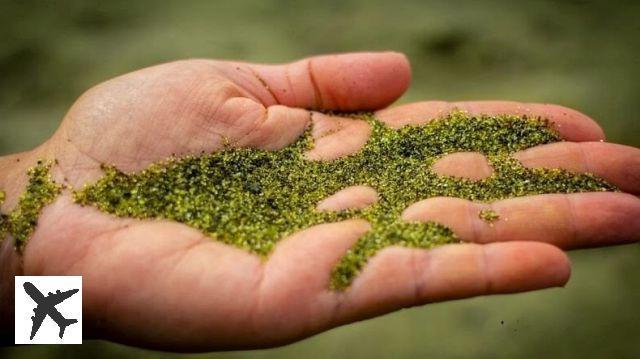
pixel 48 310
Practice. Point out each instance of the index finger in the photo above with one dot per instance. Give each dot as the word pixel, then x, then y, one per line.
pixel 404 277
pixel 571 124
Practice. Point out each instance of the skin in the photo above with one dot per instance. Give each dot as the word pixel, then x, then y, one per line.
pixel 163 285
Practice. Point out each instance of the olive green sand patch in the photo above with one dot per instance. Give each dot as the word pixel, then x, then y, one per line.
pixel 488 215
pixel 3 218
pixel 22 221
pixel 253 198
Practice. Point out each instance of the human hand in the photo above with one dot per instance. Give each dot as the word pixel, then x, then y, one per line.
pixel 164 285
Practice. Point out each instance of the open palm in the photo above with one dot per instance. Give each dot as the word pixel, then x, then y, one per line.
pixel 162 284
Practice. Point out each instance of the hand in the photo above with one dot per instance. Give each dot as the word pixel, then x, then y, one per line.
pixel 164 285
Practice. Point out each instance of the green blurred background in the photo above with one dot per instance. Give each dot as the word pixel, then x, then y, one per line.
pixel 577 53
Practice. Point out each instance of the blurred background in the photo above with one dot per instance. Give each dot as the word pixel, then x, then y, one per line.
pixel 582 54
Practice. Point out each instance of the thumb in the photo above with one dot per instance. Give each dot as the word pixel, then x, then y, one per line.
pixel 343 82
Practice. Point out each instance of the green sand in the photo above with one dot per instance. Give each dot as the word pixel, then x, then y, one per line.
pixel 488 215
pixel 252 198
pixel 4 219
pixel 22 221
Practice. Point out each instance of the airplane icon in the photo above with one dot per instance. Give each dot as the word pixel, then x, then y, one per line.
pixel 47 306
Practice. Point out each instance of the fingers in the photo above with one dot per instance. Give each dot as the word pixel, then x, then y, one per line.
pixel 571 124
pixel 617 164
pixel 471 165
pixel 335 137
pixel 402 277
pixel 354 197
pixel 566 220
pixel 345 82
